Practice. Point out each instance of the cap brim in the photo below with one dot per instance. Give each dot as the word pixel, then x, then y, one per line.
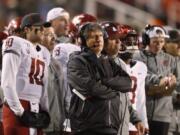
pixel 46 24
pixel 164 36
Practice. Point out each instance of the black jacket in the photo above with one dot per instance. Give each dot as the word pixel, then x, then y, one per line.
pixel 88 75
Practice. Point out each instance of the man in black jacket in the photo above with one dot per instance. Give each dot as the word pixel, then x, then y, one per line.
pixel 132 103
pixel 95 99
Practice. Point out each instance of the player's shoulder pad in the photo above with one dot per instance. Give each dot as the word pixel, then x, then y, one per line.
pixel 68 46
pixel 141 63
pixel 74 47
pixel 64 49
pixel 14 44
pixel 142 66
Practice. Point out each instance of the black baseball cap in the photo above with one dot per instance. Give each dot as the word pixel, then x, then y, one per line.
pixel 33 19
pixel 174 36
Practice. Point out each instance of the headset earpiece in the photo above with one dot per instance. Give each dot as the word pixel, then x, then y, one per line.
pixel 145 38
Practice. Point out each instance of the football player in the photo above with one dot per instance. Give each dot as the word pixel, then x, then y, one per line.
pixel 137 70
pixel 62 51
pixel 24 80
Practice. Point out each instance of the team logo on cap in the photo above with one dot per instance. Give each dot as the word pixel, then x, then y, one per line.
pixel 158 31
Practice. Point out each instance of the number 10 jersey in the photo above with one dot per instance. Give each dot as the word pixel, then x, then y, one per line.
pixel 24 69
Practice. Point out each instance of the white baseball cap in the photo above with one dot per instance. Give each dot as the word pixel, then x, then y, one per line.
pixel 157 32
pixel 55 13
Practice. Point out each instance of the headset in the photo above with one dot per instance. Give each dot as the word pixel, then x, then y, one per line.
pixel 83 32
pixel 145 33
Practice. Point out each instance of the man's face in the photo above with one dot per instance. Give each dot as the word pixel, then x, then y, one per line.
pixel 172 48
pixel 95 41
pixel 113 46
pixel 48 38
pixel 61 25
pixel 156 44
pixel 34 33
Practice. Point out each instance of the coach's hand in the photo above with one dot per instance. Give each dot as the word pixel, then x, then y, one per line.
pixel 35 120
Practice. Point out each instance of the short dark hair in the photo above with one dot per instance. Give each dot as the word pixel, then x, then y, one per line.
pixel 174 36
pixel 92 27
pixel 89 27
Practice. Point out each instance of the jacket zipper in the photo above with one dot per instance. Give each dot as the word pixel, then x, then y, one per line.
pixel 82 108
pixel 109 117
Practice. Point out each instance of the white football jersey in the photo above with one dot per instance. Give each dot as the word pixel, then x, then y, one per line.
pixel 137 96
pixel 62 52
pixel 24 70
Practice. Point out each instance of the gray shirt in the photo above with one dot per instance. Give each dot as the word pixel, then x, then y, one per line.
pixel 159 65
pixel 56 96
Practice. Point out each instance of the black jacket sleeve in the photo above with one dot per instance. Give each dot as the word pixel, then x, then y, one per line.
pixel 120 80
pixel 80 78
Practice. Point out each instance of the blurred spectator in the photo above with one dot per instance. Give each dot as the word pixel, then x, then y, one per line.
pixel 173 43
pixel 172 11
pixel 173 47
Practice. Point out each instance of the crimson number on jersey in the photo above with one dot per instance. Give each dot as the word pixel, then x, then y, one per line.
pixel 37 72
pixel 133 90
pixel 57 51
pixel 9 42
